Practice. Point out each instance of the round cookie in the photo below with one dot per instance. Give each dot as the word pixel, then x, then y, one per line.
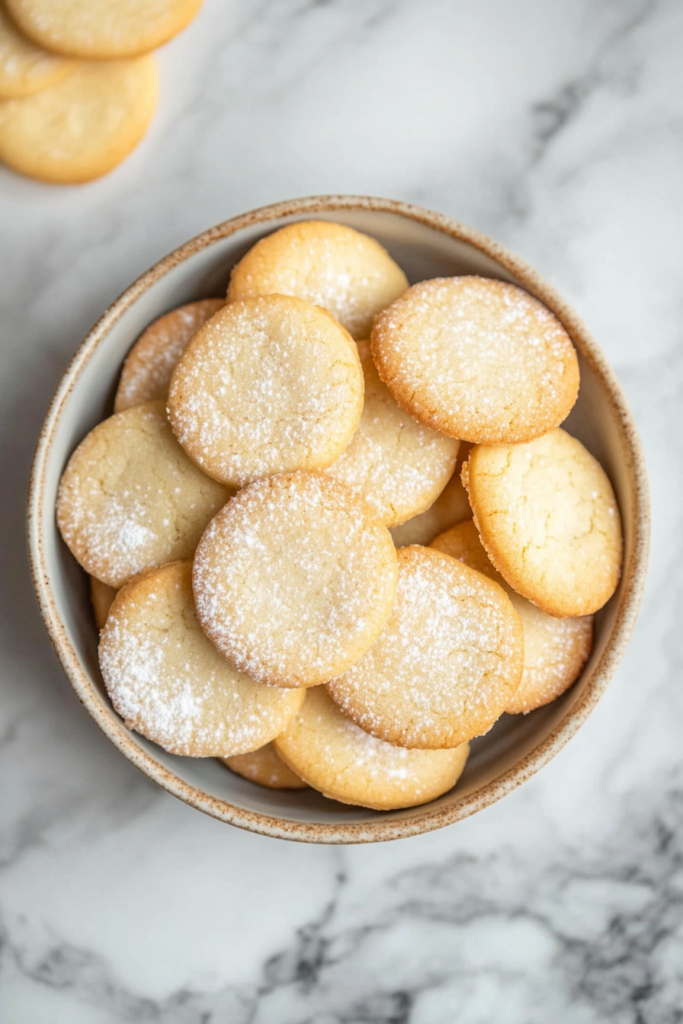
pixel 478 359
pixel 102 597
pixel 347 273
pixel 395 463
pixel 130 498
pixel 555 650
pixel 169 683
pixel 548 519
pixel 266 768
pixel 447 662
pixel 451 507
pixel 102 29
pixel 147 370
pixel 82 127
pixel 24 67
pixel 294 579
pixel 347 764
pixel 268 385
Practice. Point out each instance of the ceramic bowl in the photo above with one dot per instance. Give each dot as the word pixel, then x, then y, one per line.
pixel 426 245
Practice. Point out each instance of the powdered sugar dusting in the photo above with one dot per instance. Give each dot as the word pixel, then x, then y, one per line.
pixel 480 359
pixel 123 517
pixel 150 363
pixel 130 497
pixel 445 664
pixel 169 683
pixel 294 579
pixel 348 764
pixel 398 465
pixel 555 651
pixel 268 385
pixel 452 506
pixel 330 265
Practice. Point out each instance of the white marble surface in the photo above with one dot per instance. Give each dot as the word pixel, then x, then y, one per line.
pixel 557 127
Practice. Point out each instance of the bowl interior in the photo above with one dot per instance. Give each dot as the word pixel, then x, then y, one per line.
pixel 200 270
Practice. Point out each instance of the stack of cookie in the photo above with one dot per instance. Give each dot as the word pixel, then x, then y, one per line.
pixel 78 82
pixel 339 523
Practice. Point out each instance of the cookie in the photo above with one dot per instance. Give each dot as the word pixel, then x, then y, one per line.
pixel 146 373
pixel 294 579
pixel 478 359
pixel 102 597
pixel 82 127
pixel 548 519
pixel 348 273
pixel 345 763
pixel 266 768
pixel 130 498
pixel 451 507
pixel 395 463
pixel 268 385
pixel 169 683
pixel 103 30
pixel 24 67
pixel 446 664
pixel 555 650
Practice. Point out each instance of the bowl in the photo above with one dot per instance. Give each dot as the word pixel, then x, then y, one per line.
pixel 426 245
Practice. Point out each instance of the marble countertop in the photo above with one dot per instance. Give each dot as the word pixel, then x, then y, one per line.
pixel 558 129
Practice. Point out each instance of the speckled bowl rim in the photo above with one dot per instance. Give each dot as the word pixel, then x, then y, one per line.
pixel 432 817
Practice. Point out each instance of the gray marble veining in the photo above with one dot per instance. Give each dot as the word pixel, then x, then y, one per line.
pixel 581 933
pixel 557 128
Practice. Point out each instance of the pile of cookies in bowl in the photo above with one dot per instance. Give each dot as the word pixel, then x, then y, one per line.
pixel 334 528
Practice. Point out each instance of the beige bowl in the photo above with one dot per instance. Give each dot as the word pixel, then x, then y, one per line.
pixel 426 245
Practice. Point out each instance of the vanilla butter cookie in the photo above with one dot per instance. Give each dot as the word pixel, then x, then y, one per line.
pixel 130 498
pixel 266 768
pixel 345 763
pixel 447 662
pixel 395 463
pixel 347 273
pixel 451 507
pixel 478 359
pixel 102 597
pixel 83 126
pixel 555 650
pixel 294 579
pixel 549 521
pixel 268 385
pixel 169 683
pixel 102 29
pixel 24 67
pixel 147 370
